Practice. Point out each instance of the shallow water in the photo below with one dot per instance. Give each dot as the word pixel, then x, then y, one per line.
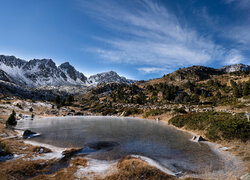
pixel 113 138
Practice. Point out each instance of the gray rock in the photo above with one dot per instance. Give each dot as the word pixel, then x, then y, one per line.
pixel 245 177
pixel 235 68
pixel 28 133
pixel 109 77
pixel 198 138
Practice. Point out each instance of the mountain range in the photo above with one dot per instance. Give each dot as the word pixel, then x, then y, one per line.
pixel 43 76
pixel 44 72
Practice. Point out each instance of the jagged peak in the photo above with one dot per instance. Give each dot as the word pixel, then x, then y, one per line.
pixel 235 67
pixel 44 72
pixel 66 65
pixel 111 72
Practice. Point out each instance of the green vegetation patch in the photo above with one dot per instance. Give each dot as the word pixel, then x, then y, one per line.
pixel 4 149
pixel 217 125
pixel 155 112
pixel 12 119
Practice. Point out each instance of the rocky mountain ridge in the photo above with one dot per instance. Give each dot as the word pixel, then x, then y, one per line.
pixel 236 67
pixel 44 72
pixel 107 77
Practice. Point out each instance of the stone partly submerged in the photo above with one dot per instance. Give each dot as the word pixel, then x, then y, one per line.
pixel 28 134
pixel 198 138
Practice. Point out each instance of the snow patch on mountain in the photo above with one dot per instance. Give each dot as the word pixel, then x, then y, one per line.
pixel 44 72
pixel 236 67
pixel 108 77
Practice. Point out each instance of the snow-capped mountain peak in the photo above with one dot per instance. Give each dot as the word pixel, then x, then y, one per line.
pixel 44 72
pixel 235 67
pixel 72 73
pixel 107 77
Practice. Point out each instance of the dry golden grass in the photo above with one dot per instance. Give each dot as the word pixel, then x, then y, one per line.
pixel 241 149
pixel 20 169
pixel 65 173
pixel 133 168
pixel 18 147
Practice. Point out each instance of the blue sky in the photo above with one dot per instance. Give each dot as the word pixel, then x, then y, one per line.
pixel 139 39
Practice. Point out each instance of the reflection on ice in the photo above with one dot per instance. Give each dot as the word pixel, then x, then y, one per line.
pixel 110 138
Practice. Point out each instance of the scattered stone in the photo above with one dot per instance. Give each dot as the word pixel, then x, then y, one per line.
pixel 28 133
pixel 123 113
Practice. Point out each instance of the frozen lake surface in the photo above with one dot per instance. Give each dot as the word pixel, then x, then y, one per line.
pixel 110 138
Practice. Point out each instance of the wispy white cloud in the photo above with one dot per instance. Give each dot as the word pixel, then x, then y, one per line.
pixel 153 70
pixel 150 35
pixel 233 57
pixel 240 34
pixel 244 4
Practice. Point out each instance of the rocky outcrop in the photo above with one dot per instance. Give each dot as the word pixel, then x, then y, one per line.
pixel 235 68
pixel 71 73
pixel 109 77
pixel 5 77
pixel 194 73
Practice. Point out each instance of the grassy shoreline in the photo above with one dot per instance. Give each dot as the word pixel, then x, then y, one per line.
pixel 234 146
pixel 232 149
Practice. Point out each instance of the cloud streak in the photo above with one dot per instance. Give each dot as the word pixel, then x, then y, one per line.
pixel 152 70
pixel 151 35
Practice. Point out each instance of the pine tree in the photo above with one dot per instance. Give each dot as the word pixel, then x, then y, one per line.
pixel 12 119
pixel 245 89
pixel 58 100
pixel 69 99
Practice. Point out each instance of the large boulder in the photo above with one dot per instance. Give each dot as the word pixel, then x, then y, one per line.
pixel 28 133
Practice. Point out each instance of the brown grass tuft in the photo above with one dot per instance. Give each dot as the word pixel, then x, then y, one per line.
pixel 133 168
pixel 20 169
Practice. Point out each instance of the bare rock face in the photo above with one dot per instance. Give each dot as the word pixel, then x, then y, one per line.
pixel 109 77
pixel 38 72
pixel 235 68
pixel 194 73
pixel 72 73
pixel 5 77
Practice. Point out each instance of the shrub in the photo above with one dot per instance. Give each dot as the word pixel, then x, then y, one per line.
pixel 180 110
pixel 19 106
pixel 12 119
pixel 131 111
pixel 4 149
pixel 155 112
pixel 217 125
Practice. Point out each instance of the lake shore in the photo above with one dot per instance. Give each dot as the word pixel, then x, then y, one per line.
pixel 220 150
